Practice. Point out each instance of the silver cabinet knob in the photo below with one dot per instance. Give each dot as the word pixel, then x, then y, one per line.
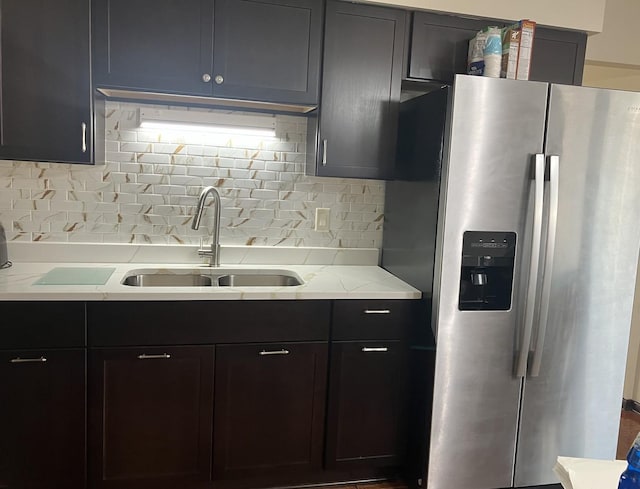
pixel 219 79
pixel 206 78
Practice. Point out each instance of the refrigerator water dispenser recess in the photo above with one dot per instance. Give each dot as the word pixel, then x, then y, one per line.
pixel 486 276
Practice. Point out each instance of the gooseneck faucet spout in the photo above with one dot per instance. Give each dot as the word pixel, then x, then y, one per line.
pixel 214 252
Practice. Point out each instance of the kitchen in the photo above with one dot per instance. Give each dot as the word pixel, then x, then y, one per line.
pixel 147 191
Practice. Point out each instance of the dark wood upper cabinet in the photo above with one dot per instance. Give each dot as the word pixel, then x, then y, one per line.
pixel 42 419
pixel 439 45
pixel 45 98
pixel 363 52
pixel 368 404
pixel 265 50
pixel 150 417
pixel 558 56
pixel 268 50
pixel 162 45
pixel 269 409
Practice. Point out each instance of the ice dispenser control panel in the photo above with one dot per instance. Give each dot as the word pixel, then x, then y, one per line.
pixel 486 275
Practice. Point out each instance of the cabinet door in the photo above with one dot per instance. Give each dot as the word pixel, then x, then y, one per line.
pixel 268 50
pixel 269 413
pixel 150 417
pixel 45 98
pixel 162 45
pixel 42 419
pixel 558 56
pixel 363 52
pixel 440 44
pixel 367 404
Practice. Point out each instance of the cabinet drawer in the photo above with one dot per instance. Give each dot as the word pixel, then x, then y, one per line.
pixel 202 322
pixel 42 325
pixel 372 319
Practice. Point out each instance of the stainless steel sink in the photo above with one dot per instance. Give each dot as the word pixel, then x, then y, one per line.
pixel 167 280
pixel 211 277
pixel 258 280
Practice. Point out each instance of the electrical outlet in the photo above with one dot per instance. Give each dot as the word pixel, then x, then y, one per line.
pixel 322 219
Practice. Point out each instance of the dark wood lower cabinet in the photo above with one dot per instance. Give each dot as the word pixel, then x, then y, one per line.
pixel 142 417
pixel 269 409
pixel 150 417
pixel 42 419
pixel 368 403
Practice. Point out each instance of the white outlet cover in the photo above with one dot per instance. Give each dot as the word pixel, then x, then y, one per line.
pixel 323 218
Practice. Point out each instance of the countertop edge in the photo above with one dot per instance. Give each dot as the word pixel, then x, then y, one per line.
pixel 321 282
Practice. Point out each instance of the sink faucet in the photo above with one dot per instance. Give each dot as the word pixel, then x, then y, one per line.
pixel 214 252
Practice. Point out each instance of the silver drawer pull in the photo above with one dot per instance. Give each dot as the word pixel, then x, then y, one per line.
pixel 28 360
pixel 274 352
pixel 324 152
pixel 377 311
pixel 84 137
pixel 144 356
pixel 379 349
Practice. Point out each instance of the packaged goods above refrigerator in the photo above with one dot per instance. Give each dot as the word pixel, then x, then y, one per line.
pixel 516 45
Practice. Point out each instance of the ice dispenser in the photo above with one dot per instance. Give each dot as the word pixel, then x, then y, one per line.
pixel 486 276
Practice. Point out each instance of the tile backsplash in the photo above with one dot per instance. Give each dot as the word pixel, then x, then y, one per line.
pixel 148 188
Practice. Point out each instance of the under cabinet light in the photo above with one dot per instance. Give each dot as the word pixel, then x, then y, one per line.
pixel 222 123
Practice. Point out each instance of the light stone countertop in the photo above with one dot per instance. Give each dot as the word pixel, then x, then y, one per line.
pixel 359 280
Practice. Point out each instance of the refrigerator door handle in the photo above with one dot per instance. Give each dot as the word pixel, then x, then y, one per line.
pixel 538 182
pixel 554 175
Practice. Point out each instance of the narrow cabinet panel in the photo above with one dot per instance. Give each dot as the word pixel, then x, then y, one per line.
pixel 268 50
pixel 150 417
pixel 54 324
pixel 45 97
pixel 42 419
pixel 269 410
pixel 162 45
pixel 363 53
pixel 367 404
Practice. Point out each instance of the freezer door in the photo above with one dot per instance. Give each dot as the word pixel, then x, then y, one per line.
pixel 496 128
pixel 572 407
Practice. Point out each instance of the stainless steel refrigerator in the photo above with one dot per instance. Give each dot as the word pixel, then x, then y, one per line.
pixel 517 212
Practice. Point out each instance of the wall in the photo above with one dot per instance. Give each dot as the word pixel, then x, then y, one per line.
pixel 583 15
pixel 632 378
pixel 622 78
pixel 147 190
pixel 617 43
pixel 606 75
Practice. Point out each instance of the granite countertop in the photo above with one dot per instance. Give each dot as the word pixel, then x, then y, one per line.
pixel 339 275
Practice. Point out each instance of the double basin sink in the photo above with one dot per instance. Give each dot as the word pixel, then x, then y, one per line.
pixel 211 277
